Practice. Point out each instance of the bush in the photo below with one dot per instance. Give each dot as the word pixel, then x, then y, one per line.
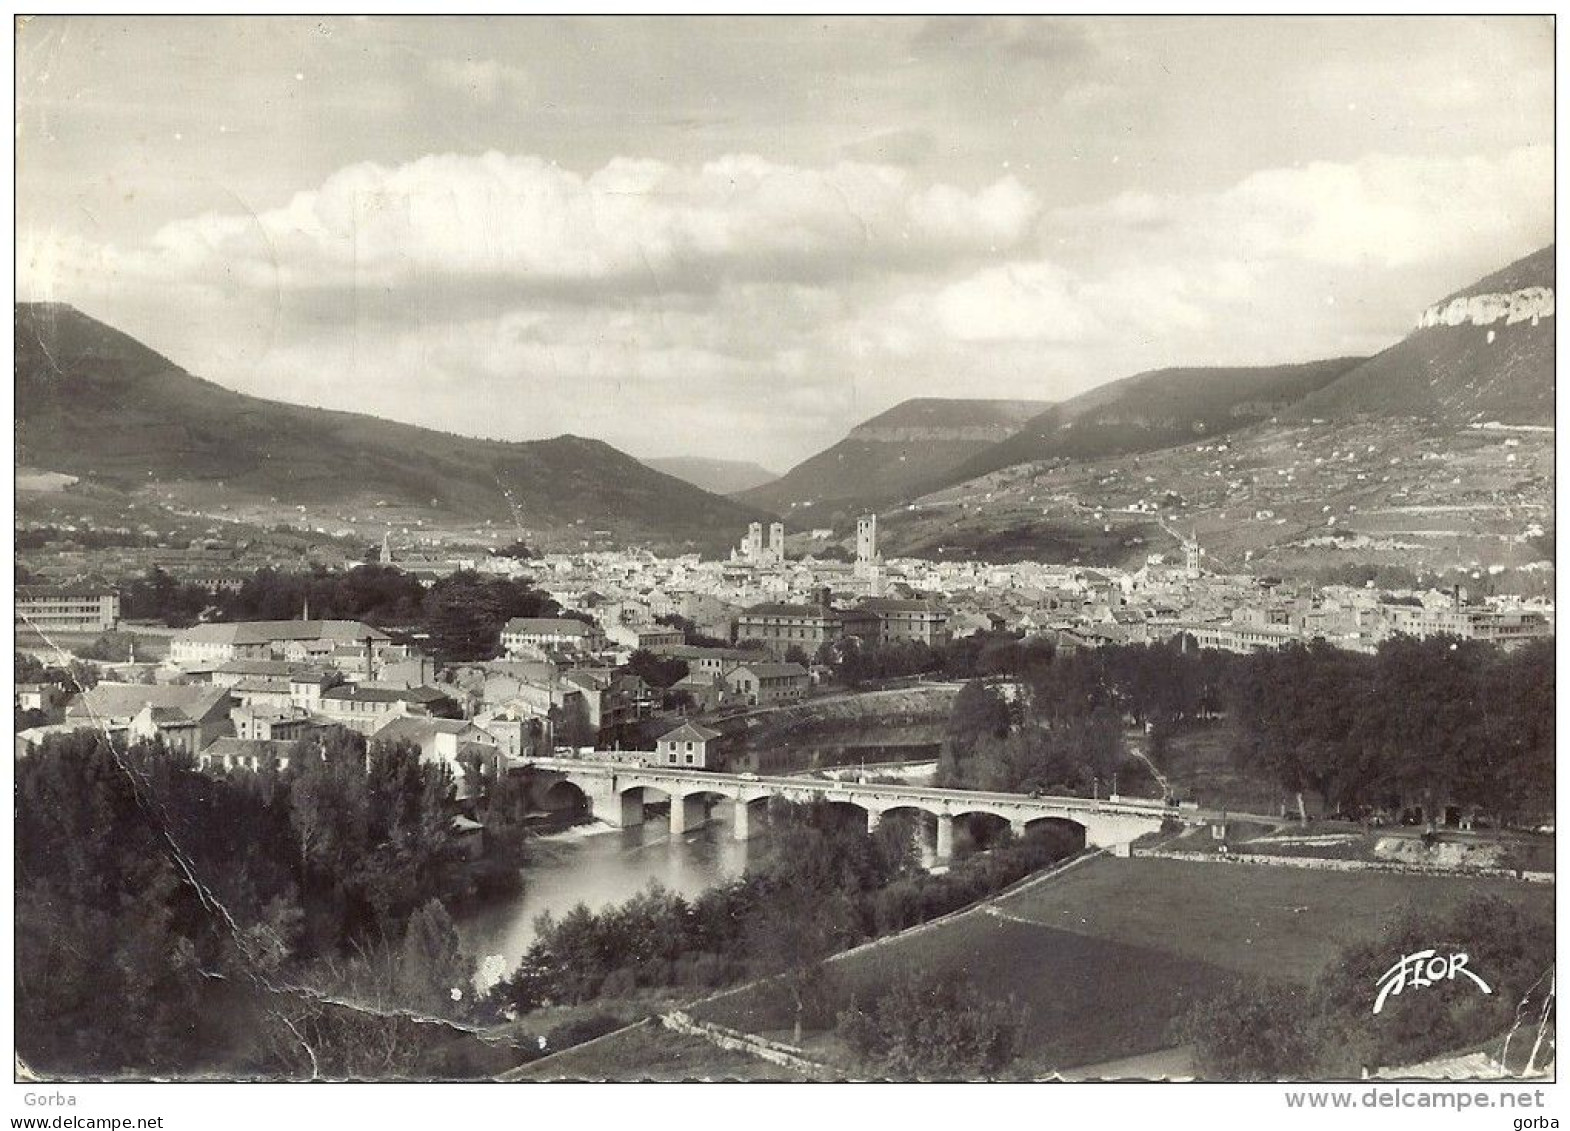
pixel 934 1026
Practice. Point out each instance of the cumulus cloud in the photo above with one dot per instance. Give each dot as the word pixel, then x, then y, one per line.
pixel 1381 211
pixel 747 307
pixel 528 223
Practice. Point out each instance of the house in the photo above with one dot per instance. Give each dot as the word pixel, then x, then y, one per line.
pixel 232 672
pixel 706 689
pixel 689 745
pixel 464 748
pixel 707 660
pixel 763 684
pixel 261 723
pixel 30 739
pixel 268 640
pixel 366 708
pixel 519 736
pixel 38 696
pixel 186 716
pixel 264 693
pixel 255 754
pixel 67 608
pixel 527 635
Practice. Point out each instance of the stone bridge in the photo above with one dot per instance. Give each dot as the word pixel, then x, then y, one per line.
pixel 617 791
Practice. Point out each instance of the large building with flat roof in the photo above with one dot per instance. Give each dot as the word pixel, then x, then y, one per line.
pixel 67 608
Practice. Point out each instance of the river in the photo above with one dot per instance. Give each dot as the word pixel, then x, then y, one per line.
pixel 600 866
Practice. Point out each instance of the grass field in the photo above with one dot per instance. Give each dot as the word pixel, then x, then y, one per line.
pixel 1106 955
pixel 649 1052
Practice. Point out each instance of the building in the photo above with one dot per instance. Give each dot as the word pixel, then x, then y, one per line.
pixel 1469 623
pixel 645 636
pixel 294 640
pixel 688 746
pixel 261 724
pixel 38 696
pixel 526 635
pixel 867 539
pixel 187 716
pixel 765 684
pixel 366 709
pixel 920 622
pixel 67 608
pixel 470 753
pixel 225 755
pixel 231 673
pixel 707 690
pixel 708 661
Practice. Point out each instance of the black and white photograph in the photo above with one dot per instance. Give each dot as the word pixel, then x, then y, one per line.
pixel 784 549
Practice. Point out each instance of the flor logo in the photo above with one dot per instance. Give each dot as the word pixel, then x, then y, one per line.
pixel 1424 969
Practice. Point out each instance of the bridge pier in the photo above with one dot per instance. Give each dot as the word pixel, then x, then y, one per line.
pixel 625 810
pixel 874 819
pixel 688 813
pixel 945 846
pixel 1018 829
pixel 740 822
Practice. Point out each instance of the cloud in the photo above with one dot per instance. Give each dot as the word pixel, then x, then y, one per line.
pixel 1382 211
pixel 528 223
pixel 747 307
pixel 485 81
pixel 1016 37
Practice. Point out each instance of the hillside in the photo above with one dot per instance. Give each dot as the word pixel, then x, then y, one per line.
pixel 1484 353
pixel 720 476
pixel 93 402
pixel 894 454
pixel 1154 410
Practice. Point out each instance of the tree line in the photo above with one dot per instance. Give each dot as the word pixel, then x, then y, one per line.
pixel 1433 722
pixel 1262 1029
pixel 460 615
pixel 279 922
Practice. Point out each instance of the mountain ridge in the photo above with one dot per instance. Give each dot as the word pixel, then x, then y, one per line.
pixel 894 452
pixel 93 401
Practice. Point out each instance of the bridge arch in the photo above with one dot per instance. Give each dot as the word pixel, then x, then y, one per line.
pixel 976 829
pixel 1070 833
pixel 693 806
pixel 564 796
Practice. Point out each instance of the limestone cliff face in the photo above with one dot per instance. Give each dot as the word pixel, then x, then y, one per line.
pixel 1530 304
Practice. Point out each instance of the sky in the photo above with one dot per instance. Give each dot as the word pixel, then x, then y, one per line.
pixel 739 237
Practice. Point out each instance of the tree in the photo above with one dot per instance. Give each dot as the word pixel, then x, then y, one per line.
pixel 655 670
pixel 464 613
pixel 934 1026
pixel 1252 1030
pixel 518 550
pixel 434 975
pixel 795 931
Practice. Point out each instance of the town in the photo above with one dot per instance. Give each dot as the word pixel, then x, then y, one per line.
pixel 553 549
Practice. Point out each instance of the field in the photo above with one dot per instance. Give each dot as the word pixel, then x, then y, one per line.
pixel 649 1052
pixel 150 645
pixel 1106 955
